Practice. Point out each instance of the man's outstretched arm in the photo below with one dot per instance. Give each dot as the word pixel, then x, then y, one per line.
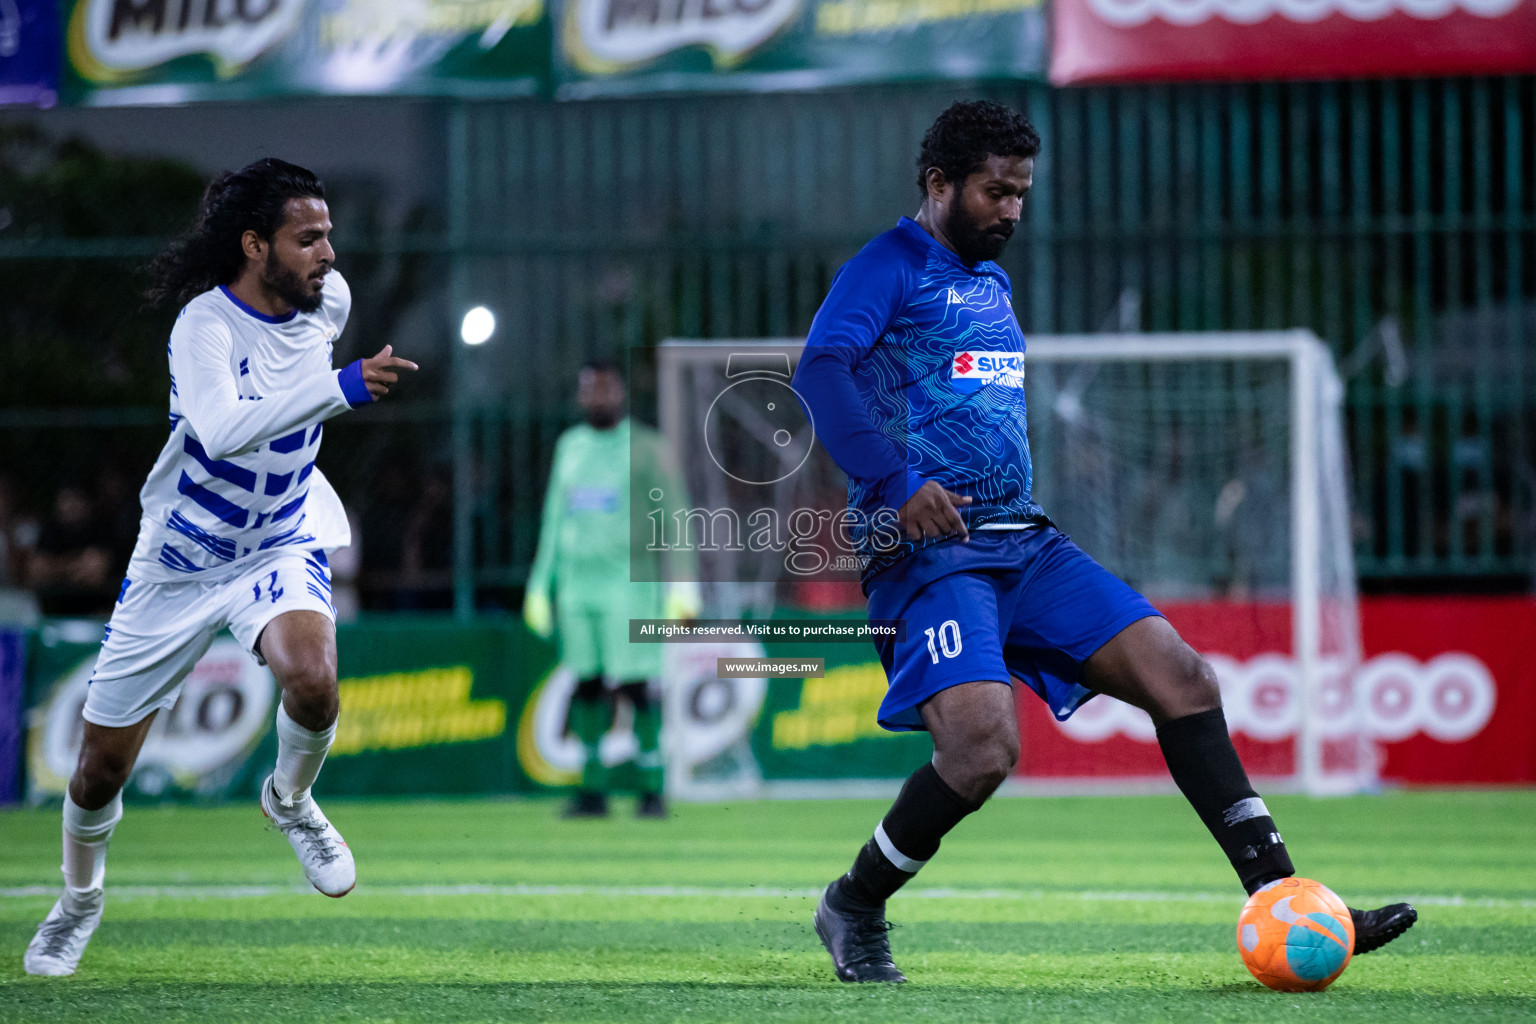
pixel 228 425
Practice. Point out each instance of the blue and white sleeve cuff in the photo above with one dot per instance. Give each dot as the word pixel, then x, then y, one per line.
pixel 350 377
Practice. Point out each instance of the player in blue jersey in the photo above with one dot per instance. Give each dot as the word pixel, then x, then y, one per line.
pixel 914 374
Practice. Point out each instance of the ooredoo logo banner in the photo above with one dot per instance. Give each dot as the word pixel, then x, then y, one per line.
pixel 1391 697
pixel 1444 693
pixel 1165 40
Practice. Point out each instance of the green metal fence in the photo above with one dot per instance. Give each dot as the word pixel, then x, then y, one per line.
pixel 1396 219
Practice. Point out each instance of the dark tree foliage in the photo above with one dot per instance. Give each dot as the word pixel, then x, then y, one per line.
pixel 78 228
pixel 74 331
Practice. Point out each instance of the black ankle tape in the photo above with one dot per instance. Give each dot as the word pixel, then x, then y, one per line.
pixel 1263 863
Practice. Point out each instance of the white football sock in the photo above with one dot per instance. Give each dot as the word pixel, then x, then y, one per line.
pixel 85 844
pixel 300 753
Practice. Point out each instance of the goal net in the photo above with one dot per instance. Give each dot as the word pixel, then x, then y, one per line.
pixel 1207 470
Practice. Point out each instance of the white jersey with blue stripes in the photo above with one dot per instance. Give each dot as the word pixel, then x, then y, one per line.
pixel 237 478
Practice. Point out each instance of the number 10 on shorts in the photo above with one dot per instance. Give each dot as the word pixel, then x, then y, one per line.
pixel 948 637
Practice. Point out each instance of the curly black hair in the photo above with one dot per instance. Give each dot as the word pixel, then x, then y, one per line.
pixel 969 131
pixel 254 198
pixel 603 364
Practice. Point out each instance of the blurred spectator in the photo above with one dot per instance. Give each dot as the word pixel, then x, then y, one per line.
pixel 117 507
pixel 345 564
pixel 1252 563
pixel 426 547
pixel 72 569
pixel 383 520
pixel 16 538
pixel 18 534
pixel 406 536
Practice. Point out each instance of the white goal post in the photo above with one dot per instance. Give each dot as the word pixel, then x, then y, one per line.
pixel 1207 469
pixel 1325 623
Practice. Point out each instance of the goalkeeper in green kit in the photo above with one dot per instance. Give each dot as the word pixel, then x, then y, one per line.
pixel 584 589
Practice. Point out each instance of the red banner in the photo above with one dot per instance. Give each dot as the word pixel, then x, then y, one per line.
pixel 1252 40
pixel 1446 692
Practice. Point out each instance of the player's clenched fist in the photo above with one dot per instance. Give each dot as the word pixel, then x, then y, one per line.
pixel 379 371
pixel 933 512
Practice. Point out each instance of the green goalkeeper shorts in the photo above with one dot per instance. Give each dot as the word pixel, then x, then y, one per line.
pixel 595 641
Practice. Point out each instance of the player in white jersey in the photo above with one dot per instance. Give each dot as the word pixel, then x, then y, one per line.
pixel 236 523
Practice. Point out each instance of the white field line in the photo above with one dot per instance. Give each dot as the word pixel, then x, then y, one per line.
pixel 240 892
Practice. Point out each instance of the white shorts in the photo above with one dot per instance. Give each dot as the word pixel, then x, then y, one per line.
pixel 158 631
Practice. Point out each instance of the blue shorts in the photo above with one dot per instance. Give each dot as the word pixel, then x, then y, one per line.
pixel 1028 604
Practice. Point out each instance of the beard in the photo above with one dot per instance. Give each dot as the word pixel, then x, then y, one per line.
pixel 974 243
pixel 289 286
pixel 602 419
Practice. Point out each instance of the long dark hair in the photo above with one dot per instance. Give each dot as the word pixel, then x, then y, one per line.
pixel 250 199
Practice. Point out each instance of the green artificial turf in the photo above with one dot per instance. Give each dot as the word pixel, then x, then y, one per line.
pixel 1085 909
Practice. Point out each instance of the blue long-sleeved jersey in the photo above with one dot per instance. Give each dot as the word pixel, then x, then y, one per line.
pixel 914 371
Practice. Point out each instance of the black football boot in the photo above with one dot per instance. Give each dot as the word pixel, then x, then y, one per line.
pixel 855 935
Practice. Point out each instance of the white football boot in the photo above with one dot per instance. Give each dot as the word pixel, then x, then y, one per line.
pixel 60 940
pixel 322 852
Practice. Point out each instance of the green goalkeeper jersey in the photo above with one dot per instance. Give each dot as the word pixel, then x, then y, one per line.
pixel 601 506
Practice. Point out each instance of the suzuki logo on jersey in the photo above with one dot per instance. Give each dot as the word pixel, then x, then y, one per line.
pixel 971 370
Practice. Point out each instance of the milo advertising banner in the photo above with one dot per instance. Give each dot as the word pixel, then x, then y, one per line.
pixel 175 51
pixel 707 732
pixel 822 730
pixel 427 706
pixel 431 706
pixel 621 46
pixel 212 743
pixel 740 737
